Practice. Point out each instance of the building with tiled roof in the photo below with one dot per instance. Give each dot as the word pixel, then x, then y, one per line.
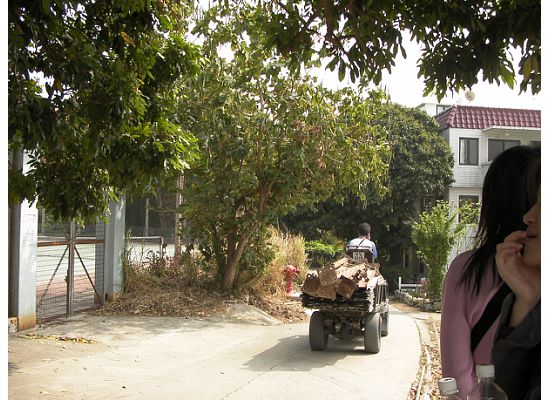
pixel 470 117
pixel 476 136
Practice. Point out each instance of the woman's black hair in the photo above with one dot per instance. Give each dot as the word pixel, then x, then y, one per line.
pixel 508 193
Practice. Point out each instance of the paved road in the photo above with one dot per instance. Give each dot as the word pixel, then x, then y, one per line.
pixel 245 356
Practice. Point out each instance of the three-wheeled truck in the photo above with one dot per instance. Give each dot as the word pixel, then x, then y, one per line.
pixel 350 299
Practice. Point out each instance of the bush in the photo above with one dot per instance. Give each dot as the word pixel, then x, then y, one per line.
pixel 392 273
pixel 435 234
pixel 320 254
pixel 287 249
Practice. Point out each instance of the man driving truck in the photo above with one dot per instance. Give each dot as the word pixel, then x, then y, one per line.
pixel 362 248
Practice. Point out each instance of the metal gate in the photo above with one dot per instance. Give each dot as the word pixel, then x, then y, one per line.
pixel 69 269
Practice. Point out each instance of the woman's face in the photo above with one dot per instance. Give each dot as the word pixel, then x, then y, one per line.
pixel 531 249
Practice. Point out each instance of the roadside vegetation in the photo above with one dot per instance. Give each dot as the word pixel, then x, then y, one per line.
pixel 188 285
pixel 435 234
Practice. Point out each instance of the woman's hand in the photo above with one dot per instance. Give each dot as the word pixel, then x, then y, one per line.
pixel 524 280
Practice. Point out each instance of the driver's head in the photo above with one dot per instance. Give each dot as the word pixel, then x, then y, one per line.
pixel 363 229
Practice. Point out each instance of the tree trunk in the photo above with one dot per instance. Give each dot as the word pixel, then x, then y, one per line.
pixel 233 258
pixel 236 245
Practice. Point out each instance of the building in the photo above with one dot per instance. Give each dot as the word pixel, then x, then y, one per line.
pixel 476 136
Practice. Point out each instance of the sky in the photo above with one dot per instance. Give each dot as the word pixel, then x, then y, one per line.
pixel 405 88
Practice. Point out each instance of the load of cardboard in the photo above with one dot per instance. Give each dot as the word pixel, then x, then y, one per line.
pixel 342 277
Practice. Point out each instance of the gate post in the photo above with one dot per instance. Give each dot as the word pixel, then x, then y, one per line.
pixel 99 276
pixel 70 269
pixel 23 237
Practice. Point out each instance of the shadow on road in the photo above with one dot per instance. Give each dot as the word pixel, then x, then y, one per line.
pixel 293 354
pixel 12 368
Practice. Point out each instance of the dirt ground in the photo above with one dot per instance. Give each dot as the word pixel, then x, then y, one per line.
pixel 193 302
pixel 429 371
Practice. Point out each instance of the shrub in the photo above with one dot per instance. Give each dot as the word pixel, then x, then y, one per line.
pixel 287 249
pixel 320 253
pixel 392 273
pixel 435 234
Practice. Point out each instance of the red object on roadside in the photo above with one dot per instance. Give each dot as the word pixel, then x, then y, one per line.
pixel 290 272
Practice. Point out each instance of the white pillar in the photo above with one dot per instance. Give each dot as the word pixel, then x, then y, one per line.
pixel 23 237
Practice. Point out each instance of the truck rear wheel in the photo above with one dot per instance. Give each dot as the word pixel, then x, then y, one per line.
pixel 372 333
pixel 318 334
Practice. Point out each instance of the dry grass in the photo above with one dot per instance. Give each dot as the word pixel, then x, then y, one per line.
pixel 282 307
pixel 168 301
pixel 289 249
pixel 182 287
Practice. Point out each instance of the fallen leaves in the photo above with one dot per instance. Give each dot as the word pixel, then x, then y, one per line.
pixel 58 338
pixel 168 301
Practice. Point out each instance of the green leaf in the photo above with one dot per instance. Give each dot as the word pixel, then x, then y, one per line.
pixel 341 71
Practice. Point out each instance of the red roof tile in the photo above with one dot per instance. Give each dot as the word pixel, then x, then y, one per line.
pixel 473 117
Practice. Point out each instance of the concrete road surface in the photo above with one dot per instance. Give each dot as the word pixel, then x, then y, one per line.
pixel 246 355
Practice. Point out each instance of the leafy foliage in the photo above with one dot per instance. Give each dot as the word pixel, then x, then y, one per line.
pixel 436 233
pixel 393 272
pixel 320 254
pixel 90 98
pixel 421 164
pixel 272 142
pixel 362 38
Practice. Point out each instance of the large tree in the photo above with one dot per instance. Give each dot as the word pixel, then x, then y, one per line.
pixel 271 142
pixel 90 86
pixel 421 165
pixel 459 39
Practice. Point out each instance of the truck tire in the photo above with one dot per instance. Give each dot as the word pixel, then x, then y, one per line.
pixel 384 330
pixel 318 334
pixel 372 333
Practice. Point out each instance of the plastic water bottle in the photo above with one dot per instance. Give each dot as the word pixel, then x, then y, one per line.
pixel 448 389
pixel 486 388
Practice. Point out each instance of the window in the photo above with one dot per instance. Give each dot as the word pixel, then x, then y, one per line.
pixel 535 143
pixel 470 198
pixel 498 146
pixel 426 203
pixel 469 151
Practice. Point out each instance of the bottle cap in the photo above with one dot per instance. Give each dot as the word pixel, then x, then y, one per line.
pixel 447 386
pixel 485 371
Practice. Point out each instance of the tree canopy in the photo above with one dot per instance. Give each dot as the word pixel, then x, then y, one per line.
pixel 420 165
pixel 92 84
pixel 90 87
pixel 271 142
pixel 459 39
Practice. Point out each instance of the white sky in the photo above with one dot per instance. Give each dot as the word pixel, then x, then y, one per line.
pixel 405 88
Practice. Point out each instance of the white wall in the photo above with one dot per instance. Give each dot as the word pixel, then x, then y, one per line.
pixel 469 178
pixel 23 236
pixel 472 175
pixel 467 175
